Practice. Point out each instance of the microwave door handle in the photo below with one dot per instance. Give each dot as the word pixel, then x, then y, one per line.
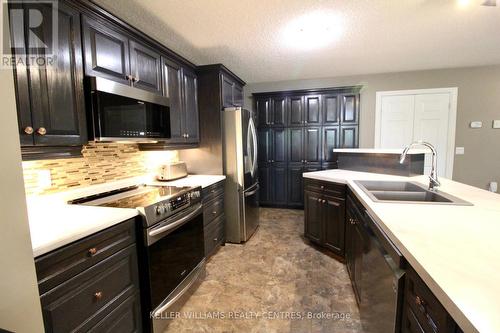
pixel 160 230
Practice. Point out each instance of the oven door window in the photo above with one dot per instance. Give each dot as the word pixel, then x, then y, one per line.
pixel 126 117
pixel 173 257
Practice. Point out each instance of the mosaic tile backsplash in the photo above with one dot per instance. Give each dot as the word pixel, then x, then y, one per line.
pixel 101 163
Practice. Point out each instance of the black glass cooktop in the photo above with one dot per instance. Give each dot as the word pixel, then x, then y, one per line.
pixel 132 197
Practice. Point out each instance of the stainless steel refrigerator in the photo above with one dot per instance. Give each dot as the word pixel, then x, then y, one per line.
pixel 240 167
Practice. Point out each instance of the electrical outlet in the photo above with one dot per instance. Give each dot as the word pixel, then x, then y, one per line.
pixel 459 150
pixel 496 123
pixel 44 179
pixel 476 124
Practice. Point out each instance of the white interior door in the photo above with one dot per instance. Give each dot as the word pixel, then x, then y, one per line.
pixel 428 115
pixel 397 119
pixel 431 125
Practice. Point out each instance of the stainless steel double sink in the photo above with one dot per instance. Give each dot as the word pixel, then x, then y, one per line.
pixel 406 192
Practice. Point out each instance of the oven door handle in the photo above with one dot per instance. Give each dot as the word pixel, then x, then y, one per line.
pixel 160 230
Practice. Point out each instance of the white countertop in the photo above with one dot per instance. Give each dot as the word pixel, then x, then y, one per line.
pixel 54 223
pixel 379 151
pixel 454 249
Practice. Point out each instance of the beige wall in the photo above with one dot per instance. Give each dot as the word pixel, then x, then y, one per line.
pixel 19 301
pixel 478 99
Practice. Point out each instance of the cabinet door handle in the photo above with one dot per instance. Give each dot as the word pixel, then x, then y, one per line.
pixel 187 135
pixel 305 122
pixel 98 295
pixel 216 239
pixel 28 130
pixel 92 251
pixel 322 187
pixel 214 212
pixel 128 77
pixel 41 131
pixel 324 201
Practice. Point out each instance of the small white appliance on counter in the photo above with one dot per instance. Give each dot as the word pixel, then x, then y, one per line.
pixel 172 171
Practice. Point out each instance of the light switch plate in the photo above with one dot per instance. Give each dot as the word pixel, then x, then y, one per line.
pixel 476 124
pixel 496 123
pixel 459 150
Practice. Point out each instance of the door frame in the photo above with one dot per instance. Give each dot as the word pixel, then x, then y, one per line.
pixel 452 120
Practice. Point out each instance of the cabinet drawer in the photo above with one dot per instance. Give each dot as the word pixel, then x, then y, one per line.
pixel 429 312
pixel 62 264
pixel 213 209
pixel 336 190
pixel 213 191
pixel 126 317
pixel 80 302
pixel 214 234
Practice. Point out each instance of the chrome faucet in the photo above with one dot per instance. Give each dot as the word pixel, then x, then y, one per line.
pixel 433 178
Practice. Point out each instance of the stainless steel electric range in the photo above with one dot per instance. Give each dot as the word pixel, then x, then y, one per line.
pixel 172 257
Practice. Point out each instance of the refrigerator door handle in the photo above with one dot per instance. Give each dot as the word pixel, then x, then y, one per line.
pixel 252 131
pixel 248 194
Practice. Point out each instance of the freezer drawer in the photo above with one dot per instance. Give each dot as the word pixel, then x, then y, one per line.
pixel 251 220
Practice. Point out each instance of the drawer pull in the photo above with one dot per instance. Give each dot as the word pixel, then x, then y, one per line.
pixel 92 251
pixel 322 187
pixel 98 295
pixel 214 212
pixel 212 191
pixel 216 239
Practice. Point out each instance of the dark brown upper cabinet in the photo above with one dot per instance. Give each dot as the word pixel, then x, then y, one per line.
pixel 349 136
pixel 190 106
pixel 50 100
pixel 279 145
pixel 113 54
pixel 349 109
pixel 232 92
pixel 330 105
pixel 265 145
pixel 172 88
pixel 296 145
pixel 145 67
pixel 312 145
pixel 330 141
pixel 295 110
pixel 278 109
pixel 264 114
pixel 312 111
pixel 106 51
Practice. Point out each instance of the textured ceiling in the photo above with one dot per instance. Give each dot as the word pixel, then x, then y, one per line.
pixel 377 36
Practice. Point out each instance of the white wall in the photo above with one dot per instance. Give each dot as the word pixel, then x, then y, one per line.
pixel 19 300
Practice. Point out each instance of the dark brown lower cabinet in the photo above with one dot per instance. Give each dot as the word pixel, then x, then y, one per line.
pixel 422 311
pixel 102 297
pixel 313 216
pixel 324 212
pixel 213 217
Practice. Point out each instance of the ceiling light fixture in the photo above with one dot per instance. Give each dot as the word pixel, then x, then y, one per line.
pixel 463 3
pixel 313 31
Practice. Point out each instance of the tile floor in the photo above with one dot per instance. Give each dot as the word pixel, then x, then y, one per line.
pixel 272 284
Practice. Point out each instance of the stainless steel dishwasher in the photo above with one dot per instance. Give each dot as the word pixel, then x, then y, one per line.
pixel 382 278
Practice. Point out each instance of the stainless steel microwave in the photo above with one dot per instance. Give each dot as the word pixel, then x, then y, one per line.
pixel 124 113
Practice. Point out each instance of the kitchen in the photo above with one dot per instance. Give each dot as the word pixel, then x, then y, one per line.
pixel 168 175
